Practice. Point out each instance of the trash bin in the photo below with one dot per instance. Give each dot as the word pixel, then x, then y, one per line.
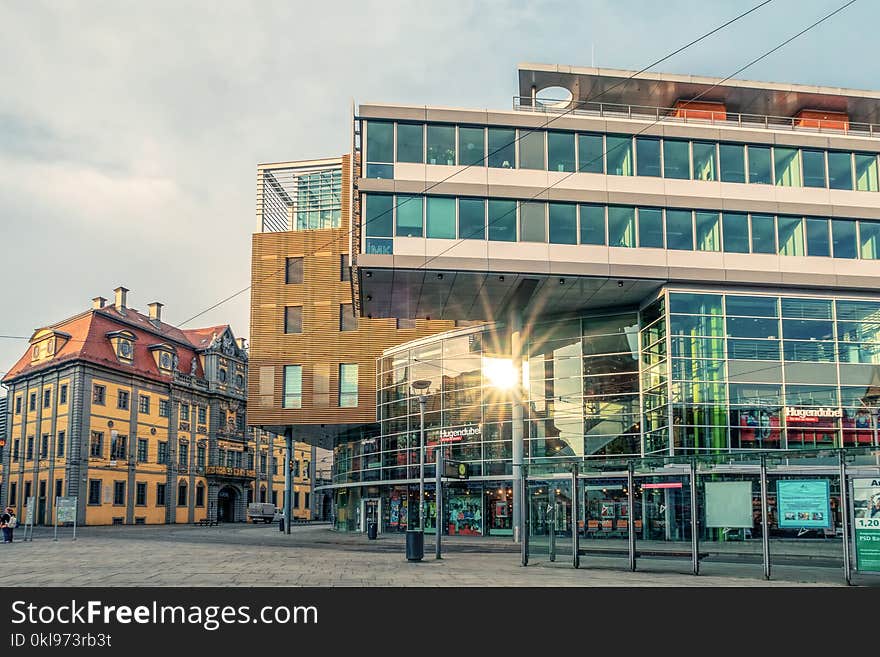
pixel 281 525
pixel 372 530
pixel 415 544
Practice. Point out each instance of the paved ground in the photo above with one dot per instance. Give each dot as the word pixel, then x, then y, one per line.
pixel 249 555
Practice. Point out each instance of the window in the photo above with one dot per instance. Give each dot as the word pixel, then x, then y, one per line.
pixel 122 400
pixel 405 323
pixel 182 454
pixel 502 148
pixel 818 239
pixel 377 215
pixel 763 233
pixel 440 217
pixel 866 172
pixel 621 226
pixel 307 500
pixel 592 224
pixel 203 415
pixel 118 446
pixel 293 319
pixel 441 144
pixel 96 444
pixel 787 167
pixel 733 162
pixel 18 405
pixel 292 386
pixel 471 149
pixel 118 493
pixel 160 494
pixel 59 444
pixel 790 236
pixel 200 495
pixel 618 153
pixel 32 402
pixel 13 490
pixel 563 223
pixel 164 408
pixel 651 228
pixel 410 143
pixel 591 153
pixel 162 452
pixel 184 412
pixel 143 450
pixel 62 394
pixel 59 487
pixel 263 463
pixel 409 216
pixel 348 385
pixel 29 450
pixel 843 236
pixel 181 494
pixel 735 228
pixel 293 270
pixel 676 159
pixel 344 270
pixel 648 156
pixel 531 217
pixel 47 398
pixel 502 221
pixel 16 445
pixel 44 446
pixel 840 170
pixel 98 394
pixel 94 491
pixel 704 160
pixel 472 218
pixel 380 142
pixel 144 404
pixel 679 230
pixel 295 499
pixel 814 168
pixel 200 457
pixel 708 231
pixel 531 149
pixel 760 169
pixel 140 494
pixel 869 237
pixel 560 151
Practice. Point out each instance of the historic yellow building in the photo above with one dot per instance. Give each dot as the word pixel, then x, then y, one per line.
pixel 143 422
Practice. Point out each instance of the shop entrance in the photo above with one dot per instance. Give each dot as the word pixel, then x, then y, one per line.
pixel 226 499
pixel 369 512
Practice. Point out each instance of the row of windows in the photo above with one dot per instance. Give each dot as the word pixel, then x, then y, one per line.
pixel 95 497
pixel 293 318
pixel 47 399
pixel 123 400
pixel 13 490
pixel 622 155
pixel 348 386
pixel 60 445
pixel 440 217
pixel 294 271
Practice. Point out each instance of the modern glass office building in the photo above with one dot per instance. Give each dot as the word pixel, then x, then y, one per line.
pixel 665 267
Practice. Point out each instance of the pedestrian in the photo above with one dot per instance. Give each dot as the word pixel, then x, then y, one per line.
pixel 8 522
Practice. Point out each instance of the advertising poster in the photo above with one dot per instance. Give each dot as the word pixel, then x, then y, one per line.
pixel 804 503
pixel 29 511
pixel 866 515
pixel 65 508
pixel 729 504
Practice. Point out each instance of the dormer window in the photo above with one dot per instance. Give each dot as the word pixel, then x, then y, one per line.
pixel 124 350
pixel 123 345
pixel 165 360
pixel 35 354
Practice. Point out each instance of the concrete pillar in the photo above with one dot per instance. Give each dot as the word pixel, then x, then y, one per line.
pixel 515 325
pixel 288 478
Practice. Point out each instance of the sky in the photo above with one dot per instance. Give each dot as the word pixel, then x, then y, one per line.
pixel 130 132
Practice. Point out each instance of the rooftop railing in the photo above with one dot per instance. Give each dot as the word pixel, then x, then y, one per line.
pixel 695 116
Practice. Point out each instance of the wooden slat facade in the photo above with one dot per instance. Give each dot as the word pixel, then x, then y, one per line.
pixel 321 345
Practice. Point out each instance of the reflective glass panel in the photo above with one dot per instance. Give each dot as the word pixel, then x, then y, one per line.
pixel 843 236
pixel 470 146
pixel 531 149
pixel 440 217
pixel 704 160
pixel 502 221
pixel 591 153
pixel 441 144
pixel 787 167
pixel 592 224
pixel 869 239
pixel 733 162
pixel 866 172
pixel 760 169
pixel 409 216
pixel 818 243
pixel 736 232
pixel 621 226
pixel 378 215
pixel 679 230
pixel 380 141
pixel 840 170
pixel 471 219
pixel 790 235
pixel 752 306
pixel 563 223
pixel 676 159
pixel 531 218
pixel 502 148
pixel 763 233
pixel 814 168
pixel 651 227
pixel 410 142
pixel 708 231
pixel 560 151
pixel 619 155
pixel 648 156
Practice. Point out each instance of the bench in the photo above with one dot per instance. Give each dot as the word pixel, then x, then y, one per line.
pixel 642 553
pixel 206 522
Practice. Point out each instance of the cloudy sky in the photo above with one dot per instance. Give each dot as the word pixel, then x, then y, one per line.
pixel 130 132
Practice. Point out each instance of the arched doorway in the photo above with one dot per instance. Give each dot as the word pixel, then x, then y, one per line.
pixel 227 498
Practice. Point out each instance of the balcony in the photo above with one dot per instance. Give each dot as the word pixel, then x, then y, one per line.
pixel 676 115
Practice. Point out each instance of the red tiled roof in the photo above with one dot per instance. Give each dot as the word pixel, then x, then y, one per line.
pixel 88 341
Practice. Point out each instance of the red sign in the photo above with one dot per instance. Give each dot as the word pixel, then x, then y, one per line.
pixel 801 418
pixel 674 484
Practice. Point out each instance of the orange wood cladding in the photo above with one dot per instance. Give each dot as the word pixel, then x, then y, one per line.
pixel 822 119
pixel 700 110
pixel 321 343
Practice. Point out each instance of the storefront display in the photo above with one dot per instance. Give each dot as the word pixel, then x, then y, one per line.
pixel 465 516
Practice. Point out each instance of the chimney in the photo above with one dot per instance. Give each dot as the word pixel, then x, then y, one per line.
pixel 155 312
pixel 241 344
pixel 121 293
pixel 99 302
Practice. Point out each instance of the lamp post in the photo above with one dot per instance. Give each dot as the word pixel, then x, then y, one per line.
pixel 415 538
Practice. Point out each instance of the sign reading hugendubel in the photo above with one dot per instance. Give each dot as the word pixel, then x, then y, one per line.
pixel 458 434
pixel 803 414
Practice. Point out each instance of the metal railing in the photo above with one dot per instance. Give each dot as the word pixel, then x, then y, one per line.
pixel 688 115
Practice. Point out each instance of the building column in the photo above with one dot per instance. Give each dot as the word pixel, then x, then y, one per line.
pixel 515 326
pixel 288 479
pixel 79 433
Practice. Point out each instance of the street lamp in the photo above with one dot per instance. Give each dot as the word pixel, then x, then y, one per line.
pixel 415 538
